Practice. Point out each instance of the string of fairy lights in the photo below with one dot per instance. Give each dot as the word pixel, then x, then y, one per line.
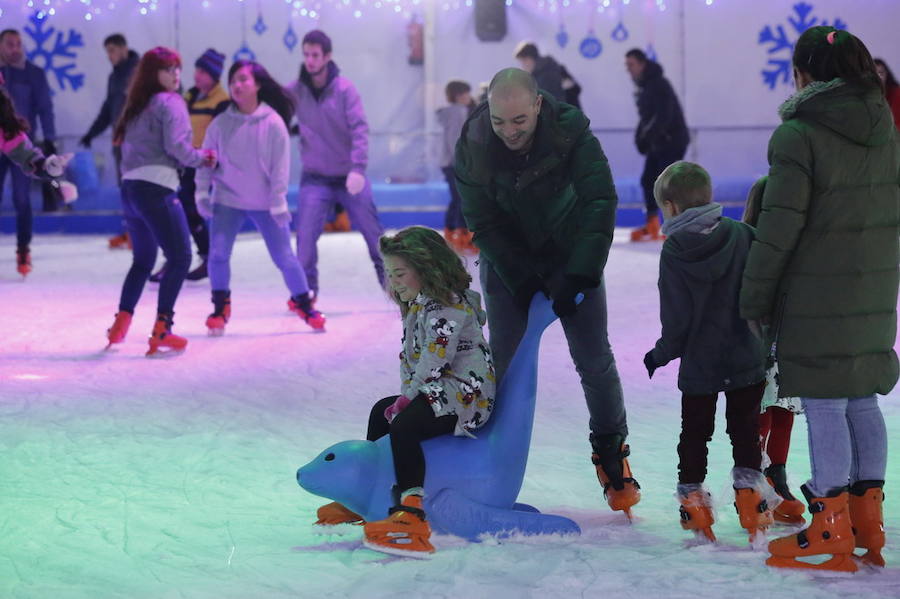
pixel 313 9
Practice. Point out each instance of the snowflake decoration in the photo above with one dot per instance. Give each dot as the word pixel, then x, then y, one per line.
pixel 562 37
pixel 244 53
pixel 260 26
pixel 620 33
pixel 779 68
pixel 290 38
pixel 59 52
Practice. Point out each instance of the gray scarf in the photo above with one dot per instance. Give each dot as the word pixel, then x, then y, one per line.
pixel 699 219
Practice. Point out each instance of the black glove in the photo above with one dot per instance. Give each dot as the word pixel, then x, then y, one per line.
pixel 48 147
pixel 523 296
pixel 650 363
pixel 564 294
pixel 85 141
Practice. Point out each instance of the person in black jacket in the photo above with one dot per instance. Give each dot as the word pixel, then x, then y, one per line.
pixel 550 75
pixel 700 270
pixel 661 134
pixel 124 61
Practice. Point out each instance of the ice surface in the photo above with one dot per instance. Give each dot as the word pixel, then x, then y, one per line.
pixel 128 477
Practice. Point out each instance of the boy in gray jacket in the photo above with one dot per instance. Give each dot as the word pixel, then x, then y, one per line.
pixel 700 270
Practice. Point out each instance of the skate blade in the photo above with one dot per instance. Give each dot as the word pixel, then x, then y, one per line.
pixel 789 520
pixel 705 535
pixel 758 540
pixel 871 559
pixel 399 550
pixel 838 563
pixel 215 332
pixel 158 353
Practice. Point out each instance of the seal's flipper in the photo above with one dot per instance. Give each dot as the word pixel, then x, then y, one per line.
pixel 451 512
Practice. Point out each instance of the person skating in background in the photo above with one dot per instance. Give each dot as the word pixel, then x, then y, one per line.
pixel 26 84
pixel 334 150
pixel 19 149
pixel 891 89
pixel 124 61
pixel 551 76
pixel 252 145
pixel 451 118
pixel 155 135
pixel 661 135
pixel 545 225
pixel 447 380
pixel 700 271
pixel 776 419
pixel 205 101
pixel 821 283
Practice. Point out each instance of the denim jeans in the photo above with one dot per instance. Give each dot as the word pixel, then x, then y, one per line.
pixel 316 202
pixel 847 442
pixel 586 334
pixel 154 219
pixel 223 229
pixel 21 184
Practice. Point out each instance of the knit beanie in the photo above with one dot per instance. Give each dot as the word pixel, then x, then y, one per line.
pixel 212 62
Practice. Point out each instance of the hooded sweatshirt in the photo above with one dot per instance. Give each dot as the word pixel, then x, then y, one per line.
pixel 334 133
pixel 700 270
pixel 452 118
pixel 824 266
pixel 254 160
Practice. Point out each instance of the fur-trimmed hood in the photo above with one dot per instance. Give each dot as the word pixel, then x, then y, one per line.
pixel 855 113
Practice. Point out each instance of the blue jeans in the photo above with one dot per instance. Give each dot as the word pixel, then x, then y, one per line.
pixel 316 202
pixel 223 229
pixel 154 219
pixel 588 342
pixel 847 442
pixel 20 198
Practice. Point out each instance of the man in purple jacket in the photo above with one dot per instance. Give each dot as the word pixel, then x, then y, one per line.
pixel 334 149
pixel 26 84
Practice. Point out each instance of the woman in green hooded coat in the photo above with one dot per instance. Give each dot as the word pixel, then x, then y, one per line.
pixel 823 274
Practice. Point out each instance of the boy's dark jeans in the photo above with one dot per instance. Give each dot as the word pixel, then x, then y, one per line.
pixel 408 429
pixel 698 419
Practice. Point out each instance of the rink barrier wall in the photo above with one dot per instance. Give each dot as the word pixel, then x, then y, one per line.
pixel 399 205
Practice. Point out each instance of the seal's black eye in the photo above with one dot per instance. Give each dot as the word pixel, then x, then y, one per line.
pixel 329 457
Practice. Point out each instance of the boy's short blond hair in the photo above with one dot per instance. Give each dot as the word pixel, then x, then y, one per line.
pixel 685 184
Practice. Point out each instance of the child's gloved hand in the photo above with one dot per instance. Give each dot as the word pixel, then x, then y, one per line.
pixel 55 165
pixel 650 364
pixel 395 408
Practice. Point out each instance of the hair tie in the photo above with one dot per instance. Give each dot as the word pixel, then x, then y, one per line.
pixel 830 38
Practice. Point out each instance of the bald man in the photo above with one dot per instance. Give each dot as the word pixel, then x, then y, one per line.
pixel 538 195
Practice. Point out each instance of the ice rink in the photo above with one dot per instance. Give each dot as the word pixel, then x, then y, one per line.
pixel 124 476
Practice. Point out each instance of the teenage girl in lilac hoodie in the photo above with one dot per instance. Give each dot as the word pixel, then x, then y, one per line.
pixel 251 180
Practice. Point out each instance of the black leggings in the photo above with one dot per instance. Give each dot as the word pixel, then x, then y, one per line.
pixel 409 428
